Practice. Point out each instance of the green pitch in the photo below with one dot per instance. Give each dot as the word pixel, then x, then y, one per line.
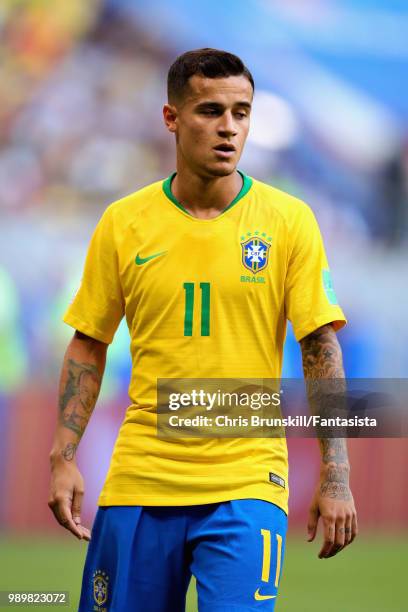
pixel 370 576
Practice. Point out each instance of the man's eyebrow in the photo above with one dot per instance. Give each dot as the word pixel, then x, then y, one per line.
pixel 244 103
pixel 218 105
pixel 209 104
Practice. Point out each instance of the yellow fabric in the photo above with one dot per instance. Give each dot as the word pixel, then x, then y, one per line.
pixel 247 331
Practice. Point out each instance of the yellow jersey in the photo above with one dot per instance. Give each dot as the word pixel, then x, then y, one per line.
pixel 202 299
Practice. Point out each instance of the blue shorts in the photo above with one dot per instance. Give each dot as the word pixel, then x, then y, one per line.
pixel 141 558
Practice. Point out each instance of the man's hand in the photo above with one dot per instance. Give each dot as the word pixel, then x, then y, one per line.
pixel 333 502
pixel 66 493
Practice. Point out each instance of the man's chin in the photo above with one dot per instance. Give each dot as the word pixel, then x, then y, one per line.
pixel 223 169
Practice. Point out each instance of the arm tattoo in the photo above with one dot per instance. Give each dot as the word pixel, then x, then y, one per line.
pixel 335 490
pixel 69 451
pixel 78 398
pixel 321 355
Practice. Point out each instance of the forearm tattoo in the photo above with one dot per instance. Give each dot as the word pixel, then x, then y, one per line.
pixel 69 451
pixel 324 376
pixel 78 399
pixel 335 476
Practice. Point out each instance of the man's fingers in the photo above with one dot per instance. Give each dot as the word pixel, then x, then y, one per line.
pixel 339 537
pixel 53 504
pixel 340 532
pixel 329 536
pixel 354 527
pixel 312 523
pixel 348 530
pixel 68 523
pixel 62 513
pixel 76 506
pixel 329 532
pixel 86 534
pixel 76 514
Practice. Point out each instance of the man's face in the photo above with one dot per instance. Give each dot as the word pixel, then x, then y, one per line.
pixel 211 123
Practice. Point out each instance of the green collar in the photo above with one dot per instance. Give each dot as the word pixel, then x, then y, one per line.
pixel 246 186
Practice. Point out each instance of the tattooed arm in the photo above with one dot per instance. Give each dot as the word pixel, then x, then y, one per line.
pixel 80 382
pixel 333 501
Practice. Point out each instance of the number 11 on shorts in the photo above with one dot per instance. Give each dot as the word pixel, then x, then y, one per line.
pixel 266 558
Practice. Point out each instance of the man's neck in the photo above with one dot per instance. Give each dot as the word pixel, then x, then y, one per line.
pixel 205 198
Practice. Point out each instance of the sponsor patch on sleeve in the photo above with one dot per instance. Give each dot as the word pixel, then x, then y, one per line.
pixel 328 288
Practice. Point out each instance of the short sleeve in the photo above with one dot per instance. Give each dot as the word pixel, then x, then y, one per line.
pixel 98 305
pixel 310 300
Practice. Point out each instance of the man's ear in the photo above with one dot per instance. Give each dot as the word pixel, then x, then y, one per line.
pixel 170 117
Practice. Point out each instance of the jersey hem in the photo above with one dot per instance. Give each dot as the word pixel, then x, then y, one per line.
pixel 157 500
pixel 338 322
pixel 73 321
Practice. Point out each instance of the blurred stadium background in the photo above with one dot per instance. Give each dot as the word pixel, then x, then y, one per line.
pixel 81 90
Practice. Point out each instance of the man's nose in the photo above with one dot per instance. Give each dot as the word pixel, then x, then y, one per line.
pixel 226 126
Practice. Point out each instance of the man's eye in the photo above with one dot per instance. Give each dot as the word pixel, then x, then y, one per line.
pixel 209 111
pixel 241 115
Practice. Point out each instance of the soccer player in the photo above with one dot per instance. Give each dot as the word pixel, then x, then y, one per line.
pixel 207 266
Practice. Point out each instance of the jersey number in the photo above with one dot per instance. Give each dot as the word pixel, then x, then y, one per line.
pixel 266 557
pixel 189 308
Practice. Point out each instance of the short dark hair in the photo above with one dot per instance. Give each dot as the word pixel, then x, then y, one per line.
pixel 210 63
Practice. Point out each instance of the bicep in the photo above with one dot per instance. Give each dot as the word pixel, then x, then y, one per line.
pixel 85 346
pixel 321 353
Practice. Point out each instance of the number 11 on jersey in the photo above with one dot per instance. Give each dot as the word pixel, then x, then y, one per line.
pixel 189 308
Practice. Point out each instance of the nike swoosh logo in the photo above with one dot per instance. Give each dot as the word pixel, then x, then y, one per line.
pixel 260 597
pixel 139 261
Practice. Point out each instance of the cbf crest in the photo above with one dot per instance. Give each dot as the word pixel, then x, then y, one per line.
pixel 100 589
pixel 255 251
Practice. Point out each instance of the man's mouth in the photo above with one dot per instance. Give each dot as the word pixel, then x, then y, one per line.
pixel 225 149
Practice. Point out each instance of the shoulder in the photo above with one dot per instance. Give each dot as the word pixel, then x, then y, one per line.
pixel 293 210
pixel 131 206
pixel 124 214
